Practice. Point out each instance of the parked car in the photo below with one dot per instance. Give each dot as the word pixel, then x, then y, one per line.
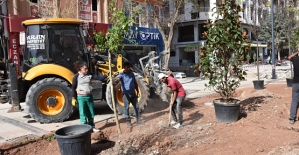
pixel 179 75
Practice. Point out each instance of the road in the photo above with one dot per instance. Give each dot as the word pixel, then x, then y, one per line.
pixel 14 126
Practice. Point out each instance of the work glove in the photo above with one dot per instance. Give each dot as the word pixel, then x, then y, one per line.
pixel 74 102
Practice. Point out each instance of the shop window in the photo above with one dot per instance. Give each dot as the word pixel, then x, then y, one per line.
pixel 94 5
pixel 186 33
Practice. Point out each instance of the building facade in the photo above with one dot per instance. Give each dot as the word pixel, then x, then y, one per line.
pixel 188 30
pixel 87 10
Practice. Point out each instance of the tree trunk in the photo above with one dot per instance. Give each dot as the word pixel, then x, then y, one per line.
pixel 278 54
pixel 112 94
pixel 257 62
pixel 167 57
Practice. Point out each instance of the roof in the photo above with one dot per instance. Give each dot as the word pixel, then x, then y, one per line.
pixel 52 21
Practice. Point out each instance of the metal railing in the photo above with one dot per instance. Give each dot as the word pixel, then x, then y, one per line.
pixel 180 64
pixel 205 9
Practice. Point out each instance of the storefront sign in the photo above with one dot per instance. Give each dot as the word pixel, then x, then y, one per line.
pixel 35 42
pixel 191 47
pixel 95 16
pixel 33 10
pixel 131 35
pixel 145 36
pixel 46 8
pixel 85 10
pixel 149 35
pixel 14 50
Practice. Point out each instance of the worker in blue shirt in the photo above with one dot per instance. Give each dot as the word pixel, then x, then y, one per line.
pixel 130 92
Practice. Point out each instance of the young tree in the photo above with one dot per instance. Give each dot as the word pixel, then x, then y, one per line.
pixel 256 29
pixel 114 39
pixel 221 56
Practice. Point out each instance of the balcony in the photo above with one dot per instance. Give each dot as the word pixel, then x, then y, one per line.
pixel 205 9
pixel 203 13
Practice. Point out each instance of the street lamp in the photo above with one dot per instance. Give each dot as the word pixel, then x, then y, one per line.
pixel 273 50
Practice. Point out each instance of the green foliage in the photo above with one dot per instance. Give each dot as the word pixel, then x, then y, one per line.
pixel 48 138
pixel 295 39
pixel 282 30
pixel 114 39
pixel 294 35
pixel 221 56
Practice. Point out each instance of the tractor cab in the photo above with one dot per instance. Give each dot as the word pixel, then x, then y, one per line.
pixel 53 41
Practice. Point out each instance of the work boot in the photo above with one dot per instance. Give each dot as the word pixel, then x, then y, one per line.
pixel 178 125
pixel 292 121
pixel 129 123
pixel 139 122
pixel 173 122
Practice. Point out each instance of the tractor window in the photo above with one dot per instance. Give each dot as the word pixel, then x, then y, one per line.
pixel 66 44
pixel 35 41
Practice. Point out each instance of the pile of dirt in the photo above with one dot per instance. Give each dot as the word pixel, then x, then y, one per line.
pixel 262 128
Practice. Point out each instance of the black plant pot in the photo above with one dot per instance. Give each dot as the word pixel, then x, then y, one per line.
pixel 258 84
pixel 226 113
pixel 289 82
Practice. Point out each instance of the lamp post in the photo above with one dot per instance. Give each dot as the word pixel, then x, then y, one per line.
pixel 273 50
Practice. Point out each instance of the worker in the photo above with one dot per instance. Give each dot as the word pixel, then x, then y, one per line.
pixel 178 96
pixel 82 91
pixel 130 92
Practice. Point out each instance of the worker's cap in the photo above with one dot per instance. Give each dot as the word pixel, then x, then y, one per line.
pixel 161 75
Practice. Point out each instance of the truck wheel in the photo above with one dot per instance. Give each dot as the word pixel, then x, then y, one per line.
pixel 142 100
pixel 50 100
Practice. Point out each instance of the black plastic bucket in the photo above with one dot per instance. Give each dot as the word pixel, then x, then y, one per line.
pixel 74 140
pixel 289 82
pixel 227 113
pixel 258 84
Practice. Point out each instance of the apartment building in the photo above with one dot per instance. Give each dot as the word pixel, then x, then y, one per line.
pixel 87 10
pixel 188 36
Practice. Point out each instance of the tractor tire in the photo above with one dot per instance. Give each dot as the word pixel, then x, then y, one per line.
pixel 142 100
pixel 50 100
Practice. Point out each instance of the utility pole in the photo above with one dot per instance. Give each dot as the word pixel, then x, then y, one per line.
pixel 273 50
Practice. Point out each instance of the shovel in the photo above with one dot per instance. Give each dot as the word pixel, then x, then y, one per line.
pixel 169 118
pixel 170 107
